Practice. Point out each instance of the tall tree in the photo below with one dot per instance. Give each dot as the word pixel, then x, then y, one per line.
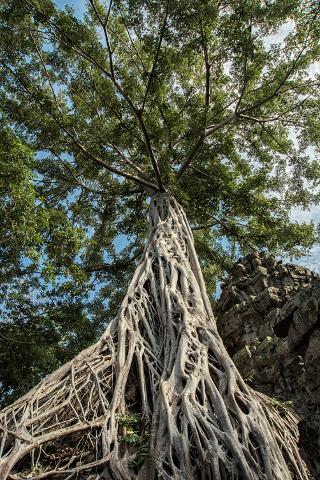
pixel 176 101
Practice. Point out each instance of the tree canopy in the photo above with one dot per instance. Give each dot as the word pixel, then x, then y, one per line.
pixel 215 102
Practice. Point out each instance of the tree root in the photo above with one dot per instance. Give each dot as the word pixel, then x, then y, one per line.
pixel 157 397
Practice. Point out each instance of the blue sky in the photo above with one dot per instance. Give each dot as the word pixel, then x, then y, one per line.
pixel 79 6
pixel 311 261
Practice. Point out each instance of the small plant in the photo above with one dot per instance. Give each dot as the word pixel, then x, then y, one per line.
pixel 142 454
pixel 281 406
pixel 129 418
pixel 130 436
pixel 37 469
pixel 133 434
pixel 250 377
pixel 130 431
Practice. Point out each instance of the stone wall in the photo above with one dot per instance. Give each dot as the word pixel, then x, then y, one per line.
pixel 269 318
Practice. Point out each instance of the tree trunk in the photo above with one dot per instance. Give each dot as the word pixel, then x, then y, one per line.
pixel 157 397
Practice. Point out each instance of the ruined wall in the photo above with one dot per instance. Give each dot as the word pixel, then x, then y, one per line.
pixel 268 317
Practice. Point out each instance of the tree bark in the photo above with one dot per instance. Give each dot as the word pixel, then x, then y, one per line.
pixel 157 397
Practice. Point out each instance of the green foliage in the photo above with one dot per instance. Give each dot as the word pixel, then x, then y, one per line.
pixel 129 419
pixel 130 423
pixel 249 378
pixel 38 334
pixel 133 435
pixel 37 470
pixel 282 406
pixel 207 83
pixel 142 453
pixel 19 230
pixel 44 321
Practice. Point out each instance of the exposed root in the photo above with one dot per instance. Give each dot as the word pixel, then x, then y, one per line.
pixel 157 397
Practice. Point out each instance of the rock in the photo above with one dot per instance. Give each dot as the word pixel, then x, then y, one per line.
pixel 268 317
pixel 305 318
pixel 312 366
pixel 309 441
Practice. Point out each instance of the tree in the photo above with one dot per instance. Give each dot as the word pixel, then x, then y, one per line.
pixel 177 102
pixel 43 323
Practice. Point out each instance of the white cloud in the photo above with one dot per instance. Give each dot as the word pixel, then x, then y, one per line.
pixel 312 214
pixel 311 261
pixel 314 69
pixel 278 37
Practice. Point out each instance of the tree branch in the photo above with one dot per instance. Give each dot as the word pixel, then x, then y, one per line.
pixel 156 58
pixel 208 131
pixel 45 70
pixel 127 160
pixel 274 119
pixel 284 79
pixel 24 342
pixel 277 142
pixel 226 228
pixel 238 113
pixel 194 150
pixel 191 155
pixel 245 67
pixel 151 153
pixel 203 227
pixel 113 267
pixel 134 47
pixel 75 178
pixel 106 35
pixel 74 137
pixel 111 76
pixel 207 67
pixel 137 113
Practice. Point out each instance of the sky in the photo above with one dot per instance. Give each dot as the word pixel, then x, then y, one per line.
pixel 79 6
pixel 311 261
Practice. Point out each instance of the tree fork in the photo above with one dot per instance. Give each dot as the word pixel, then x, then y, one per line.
pixel 157 397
